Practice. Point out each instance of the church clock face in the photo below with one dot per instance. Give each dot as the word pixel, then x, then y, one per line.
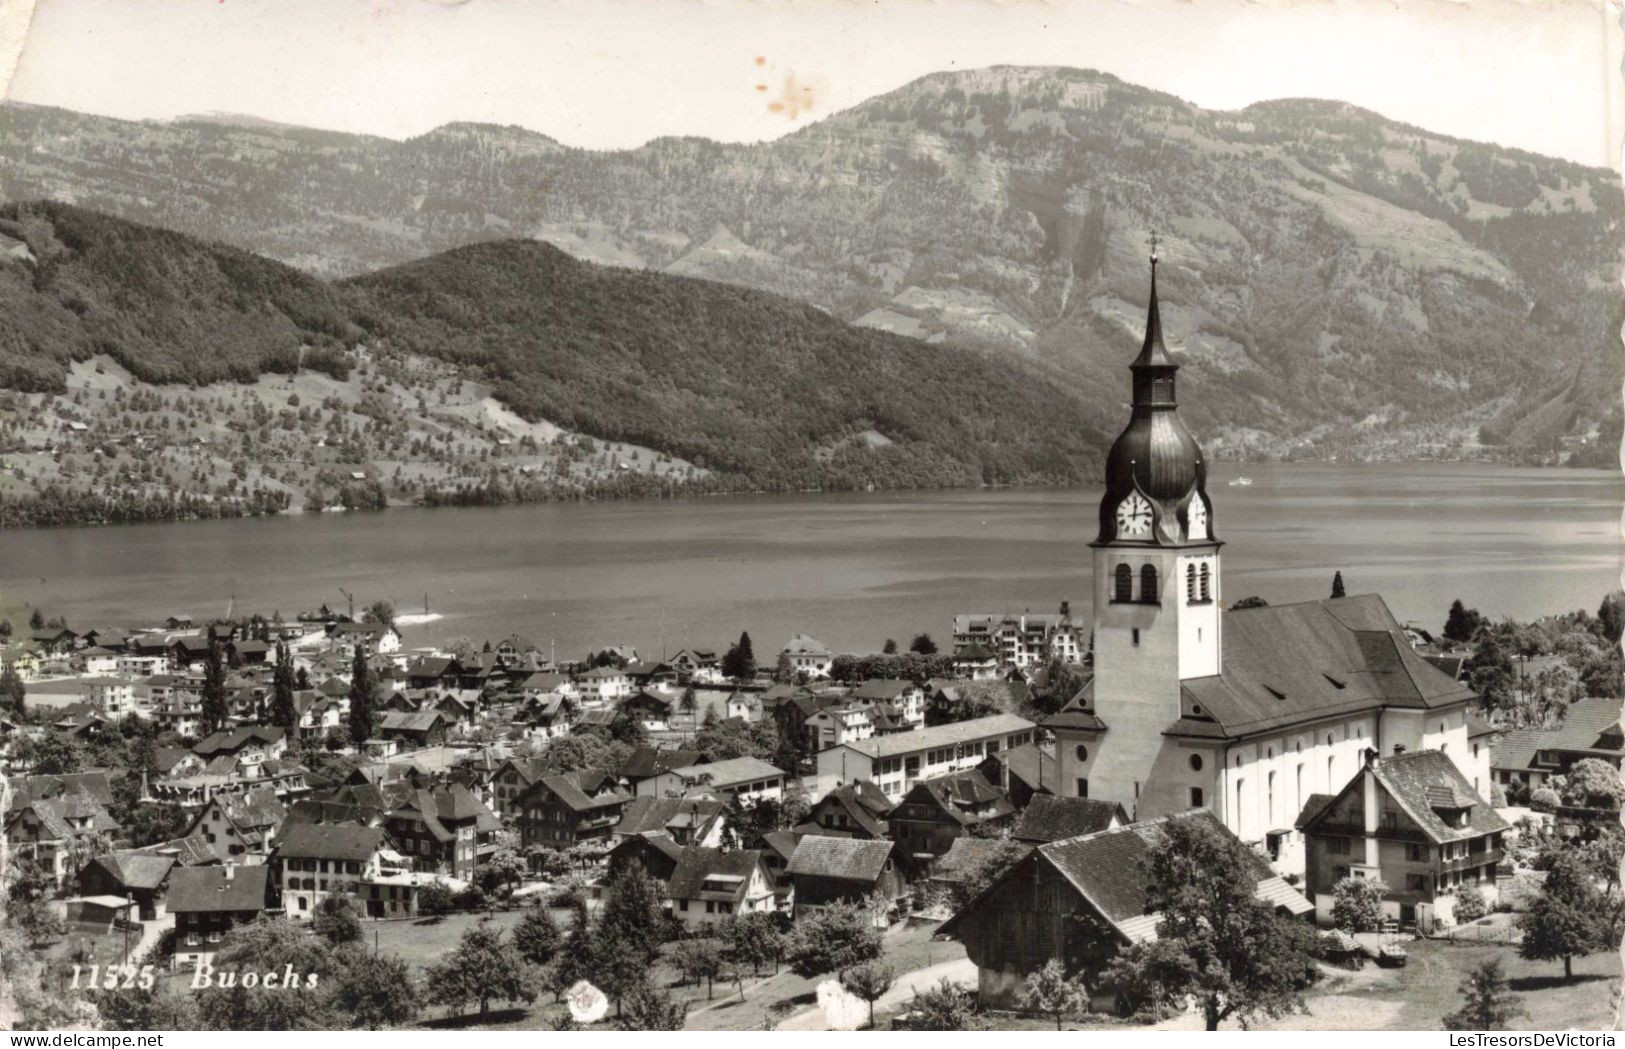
pixel 1134 517
pixel 1198 518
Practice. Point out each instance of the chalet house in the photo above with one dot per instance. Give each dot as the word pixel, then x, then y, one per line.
pixel 895 763
pixel 561 809
pixel 376 638
pixel 513 778
pixel 976 662
pixel 845 722
pixel 1411 821
pixel 434 672
pixel 441 830
pixel 22 660
pixel 425 728
pixel 1029 915
pixel 856 810
pixel 1049 818
pixel 548 715
pixel 54 641
pixel 687 821
pixel 139 876
pixel 208 902
pixel 806 655
pixel 964 856
pixel 709 886
pixel 544 682
pixel 314 861
pixel 58 832
pixel 907 696
pixel 745 779
pixel 1591 729
pixel 657 854
pixel 662 676
pixel 241 828
pixel 252 742
pixel 844 870
pixel 513 650
pixel 701 666
pixel 950 701
pixel 81 720
pixel 937 811
pixel 248 652
pixel 651 708
pixel 603 685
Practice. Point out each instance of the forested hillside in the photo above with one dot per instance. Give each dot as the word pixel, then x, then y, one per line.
pixel 146 375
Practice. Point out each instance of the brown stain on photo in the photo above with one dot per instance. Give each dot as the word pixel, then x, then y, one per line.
pixel 796 97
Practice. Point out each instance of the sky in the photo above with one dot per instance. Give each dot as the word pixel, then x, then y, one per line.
pixel 1541 75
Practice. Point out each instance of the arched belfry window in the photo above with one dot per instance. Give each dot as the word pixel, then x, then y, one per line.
pixel 1148 582
pixel 1190 583
pixel 1207 580
pixel 1123 583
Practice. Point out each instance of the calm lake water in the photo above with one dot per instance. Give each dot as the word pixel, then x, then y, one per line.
pixel 851 569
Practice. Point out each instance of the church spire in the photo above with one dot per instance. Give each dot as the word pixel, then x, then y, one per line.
pixel 1153 354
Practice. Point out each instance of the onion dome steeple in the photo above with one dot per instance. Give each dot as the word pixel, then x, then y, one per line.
pixel 1154 455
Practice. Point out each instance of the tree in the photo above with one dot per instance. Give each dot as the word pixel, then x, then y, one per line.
pixel 923 645
pixel 1357 904
pixel 1337 585
pixel 267 945
pixel 698 959
pixel 283 711
pixel 752 939
pixel 1492 676
pixel 380 611
pixel 649 1009
pixel 12 692
pixel 336 921
pixel 987 870
pixel 1216 941
pixel 1611 617
pixel 36 620
pixel 1544 799
pixel 1470 903
pixel 1564 919
pixel 869 981
pixel 434 900
pixel 889 648
pixel 1462 622
pixel 1594 784
pixel 504 869
pixel 1489 1007
pixel 688 702
pixel 945 1007
pixel 484 968
pixel 536 937
pixel 739 662
pixel 578 958
pixel 214 711
pixel 1051 992
pixel 629 933
pixel 375 992
pixel 834 939
pixel 363 698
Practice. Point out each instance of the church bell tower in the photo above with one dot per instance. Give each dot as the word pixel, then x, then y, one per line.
pixel 1156 587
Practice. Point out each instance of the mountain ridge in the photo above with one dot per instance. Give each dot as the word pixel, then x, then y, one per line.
pixel 1340 284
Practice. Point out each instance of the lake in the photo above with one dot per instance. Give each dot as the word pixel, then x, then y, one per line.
pixel 851 569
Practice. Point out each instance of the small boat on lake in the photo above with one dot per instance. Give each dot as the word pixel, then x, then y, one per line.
pixel 1241 482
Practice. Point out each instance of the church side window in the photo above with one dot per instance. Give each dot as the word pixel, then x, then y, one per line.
pixel 1148 582
pixel 1207 577
pixel 1123 578
pixel 1190 583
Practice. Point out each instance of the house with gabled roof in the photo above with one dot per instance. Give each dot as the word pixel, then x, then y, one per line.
pixel 1049 818
pixel 1591 729
pixel 826 870
pixel 441 829
pixel 241 827
pixel 562 809
pixel 56 832
pixel 936 811
pixel 139 876
pixel 209 902
pixel 804 654
pixel 424 728
pixel 708 886
pixel 907 696
pixel 853 810
pixel 1413 822
pixel 687 821
pixel 315 860
pixel 1077 897
pixel 655 852
pixel 1023 773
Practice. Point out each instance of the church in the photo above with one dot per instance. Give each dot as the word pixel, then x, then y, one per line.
pixel 1243 712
